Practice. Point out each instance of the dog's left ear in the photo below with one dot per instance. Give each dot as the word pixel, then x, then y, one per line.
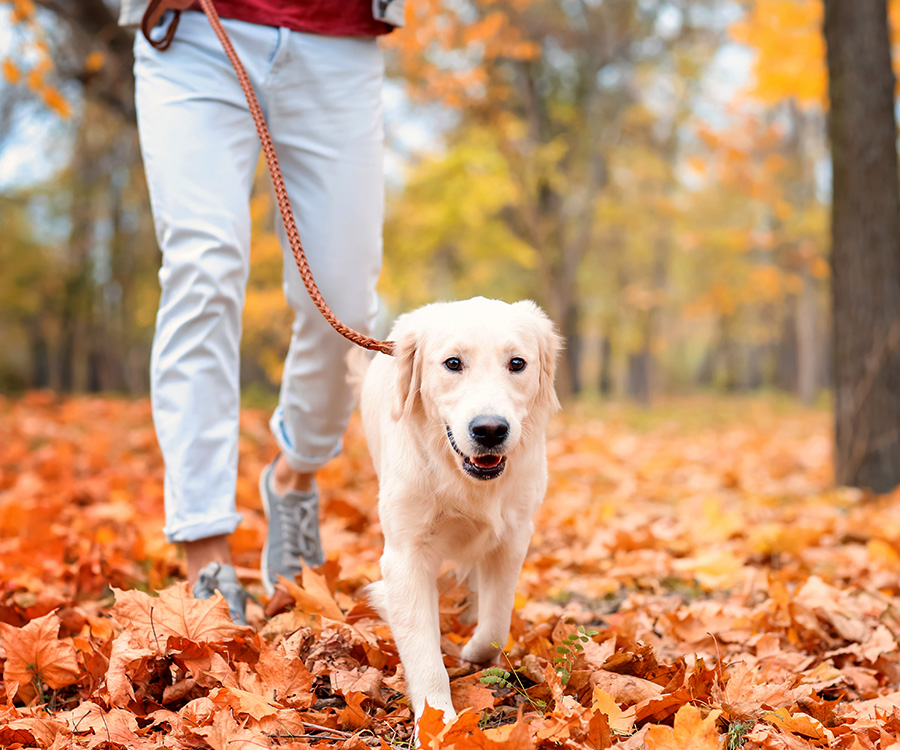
pixel 550 344
pixel 409 371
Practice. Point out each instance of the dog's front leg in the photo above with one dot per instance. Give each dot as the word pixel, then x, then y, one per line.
pixel 497 573
pixel 411 601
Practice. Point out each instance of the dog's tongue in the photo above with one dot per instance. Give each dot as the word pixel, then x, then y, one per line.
pixel 486 462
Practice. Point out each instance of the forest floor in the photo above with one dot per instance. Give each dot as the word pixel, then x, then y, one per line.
pixel 694 581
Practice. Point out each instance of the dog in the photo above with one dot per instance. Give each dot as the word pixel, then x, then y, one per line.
pixel 455 423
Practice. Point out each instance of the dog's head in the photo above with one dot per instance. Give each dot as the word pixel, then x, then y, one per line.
pixel 479 372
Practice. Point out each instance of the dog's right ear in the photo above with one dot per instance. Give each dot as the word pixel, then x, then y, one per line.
pixel 550 344
pixel 409 374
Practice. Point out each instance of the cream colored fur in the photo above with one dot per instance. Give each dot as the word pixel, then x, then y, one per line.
pixel 431 509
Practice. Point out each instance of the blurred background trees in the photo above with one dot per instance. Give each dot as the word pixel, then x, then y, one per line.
pixel 656 173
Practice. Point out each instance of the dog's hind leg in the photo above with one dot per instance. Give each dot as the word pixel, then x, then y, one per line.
pixel 469 616
pixel 498 573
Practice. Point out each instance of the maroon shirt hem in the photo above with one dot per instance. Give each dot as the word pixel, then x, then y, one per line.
pixel 327 17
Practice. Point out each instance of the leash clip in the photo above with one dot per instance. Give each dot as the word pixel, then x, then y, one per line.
pixel 153 16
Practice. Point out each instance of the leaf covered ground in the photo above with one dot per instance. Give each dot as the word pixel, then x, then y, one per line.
pixel 694 582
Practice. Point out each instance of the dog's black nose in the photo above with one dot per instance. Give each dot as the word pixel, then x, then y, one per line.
pixel 489 431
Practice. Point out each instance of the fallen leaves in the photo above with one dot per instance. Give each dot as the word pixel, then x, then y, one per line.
pixel 730 595
pixel 174 612
pixel 692 731
pixel 35 656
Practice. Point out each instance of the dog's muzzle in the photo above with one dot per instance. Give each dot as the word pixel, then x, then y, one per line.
pixel 485 466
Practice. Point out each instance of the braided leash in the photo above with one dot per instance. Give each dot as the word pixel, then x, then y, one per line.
pixel 154 13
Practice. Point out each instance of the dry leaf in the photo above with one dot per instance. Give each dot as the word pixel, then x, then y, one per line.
pixel 692 732
pixel 35 654
pixel 174 612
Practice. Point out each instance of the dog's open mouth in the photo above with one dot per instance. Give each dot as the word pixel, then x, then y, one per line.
pixel 486 466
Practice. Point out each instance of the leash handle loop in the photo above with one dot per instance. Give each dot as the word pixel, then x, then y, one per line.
pixel 151 18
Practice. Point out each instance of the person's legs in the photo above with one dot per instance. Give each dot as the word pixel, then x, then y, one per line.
pixel 200 150
pixel 326 120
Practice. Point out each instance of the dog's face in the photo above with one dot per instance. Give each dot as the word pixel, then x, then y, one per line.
pixel 476 371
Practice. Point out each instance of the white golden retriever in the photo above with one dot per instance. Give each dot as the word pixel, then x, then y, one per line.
pixel 455 424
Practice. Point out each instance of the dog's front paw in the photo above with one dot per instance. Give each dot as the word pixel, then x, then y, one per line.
pixel 478 652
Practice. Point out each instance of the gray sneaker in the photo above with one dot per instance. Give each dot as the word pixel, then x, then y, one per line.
pixel 224 578
pixel 293 531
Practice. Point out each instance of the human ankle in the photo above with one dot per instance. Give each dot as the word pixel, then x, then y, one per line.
pixel 201 552
pixel 285 479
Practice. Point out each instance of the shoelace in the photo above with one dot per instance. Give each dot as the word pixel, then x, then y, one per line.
pixel 235 595
pixel 301 529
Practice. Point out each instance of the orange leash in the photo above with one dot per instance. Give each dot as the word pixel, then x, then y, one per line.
pixel 154 13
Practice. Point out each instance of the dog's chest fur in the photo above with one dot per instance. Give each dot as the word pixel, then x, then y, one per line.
pixel 465 526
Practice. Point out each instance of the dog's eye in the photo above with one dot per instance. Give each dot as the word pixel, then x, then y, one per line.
pixel 454 364
pixel 516 364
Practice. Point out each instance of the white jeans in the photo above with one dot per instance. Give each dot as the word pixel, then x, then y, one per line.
pixel 322 99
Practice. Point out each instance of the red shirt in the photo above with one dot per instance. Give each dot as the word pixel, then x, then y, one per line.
pixel 329 17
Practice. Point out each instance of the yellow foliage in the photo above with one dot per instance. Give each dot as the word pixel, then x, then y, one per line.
pixel 444 236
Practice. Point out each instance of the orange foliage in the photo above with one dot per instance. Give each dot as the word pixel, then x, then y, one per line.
pixel 11 72
pixel 726 580
pixel 55 101
pixel 790 49
pixel 34 62
pixel 478 35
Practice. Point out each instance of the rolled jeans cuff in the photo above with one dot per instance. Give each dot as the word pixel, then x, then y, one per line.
pixel 298 462
pixel 202 529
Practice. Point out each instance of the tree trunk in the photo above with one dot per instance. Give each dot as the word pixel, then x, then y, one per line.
pixel 807 340
pixel 638 382
pixel 731 356
pixel 786 364
pixel 40 356
pixel 571 368
pixel 604 384
pixel 866 244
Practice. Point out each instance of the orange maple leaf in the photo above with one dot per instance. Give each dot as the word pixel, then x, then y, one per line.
pixel 224 733
pixel 115 726
pixel 354 716
pixel 35 654
pixel 468 692
pixel 284 679
pixel 125 661
pixel 691 732
pixel 243 702
pixel 175 612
